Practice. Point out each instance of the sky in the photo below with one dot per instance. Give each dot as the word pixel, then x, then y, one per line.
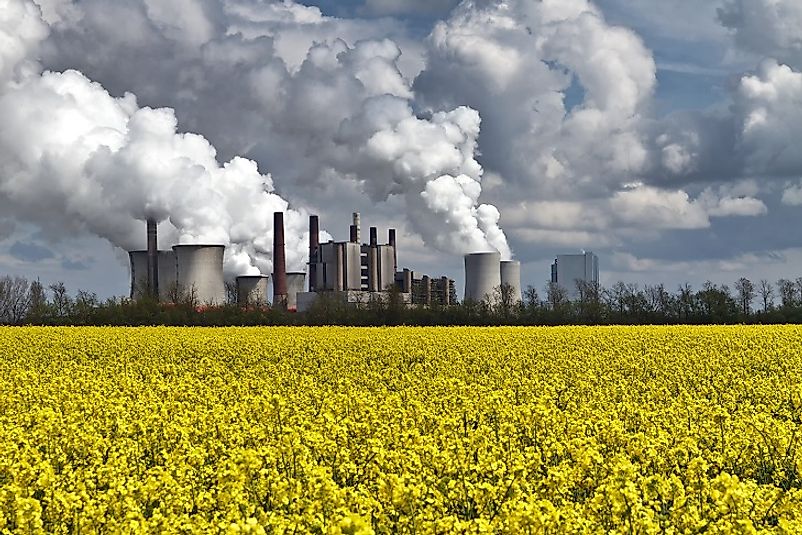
pixel 661 135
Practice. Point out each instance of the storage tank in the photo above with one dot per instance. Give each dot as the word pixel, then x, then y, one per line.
pixel 252 290
pixel 295 285
pixel 139 274
pixel 200 273
pixel 482 275
pixel 511 275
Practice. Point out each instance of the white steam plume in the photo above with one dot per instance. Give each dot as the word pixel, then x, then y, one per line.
pixel 70 150
pixel 339 109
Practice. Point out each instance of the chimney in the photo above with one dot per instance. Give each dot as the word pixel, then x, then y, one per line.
pixel 314 247
pixel 391 242
pixel 356 222
pixel 153 260
pixel 279 262
pixel 354 234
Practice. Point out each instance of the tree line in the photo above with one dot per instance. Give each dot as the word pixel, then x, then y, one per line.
pixel 24 302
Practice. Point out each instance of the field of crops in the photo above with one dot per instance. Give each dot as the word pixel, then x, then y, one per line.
pixel 401 430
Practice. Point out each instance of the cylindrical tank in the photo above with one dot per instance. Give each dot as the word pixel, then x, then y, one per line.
pixel 252 290
pixel 200 273
pixel 295 285
pixel 511 275
pixel 139 274
pixel 482 275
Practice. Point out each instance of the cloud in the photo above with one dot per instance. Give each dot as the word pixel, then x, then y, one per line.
pixel 514 62
pixel 30 252
pixel 768 28
pixel 347 108
pixel 408 7
pixel 792 194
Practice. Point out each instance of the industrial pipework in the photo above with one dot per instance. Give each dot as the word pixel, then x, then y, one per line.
pixel 279 261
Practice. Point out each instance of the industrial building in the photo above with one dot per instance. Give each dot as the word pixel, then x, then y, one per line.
pixel 486 274
pixel 357 273
pixel 568 269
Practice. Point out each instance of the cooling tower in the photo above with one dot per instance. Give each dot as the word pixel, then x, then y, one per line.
pixel 511 275
pixel 482 275
pixel 295 285
pixel 139 274
pixel 252 290
pixel 200 273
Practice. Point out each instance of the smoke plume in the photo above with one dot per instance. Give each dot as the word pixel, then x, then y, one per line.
pixel 74 156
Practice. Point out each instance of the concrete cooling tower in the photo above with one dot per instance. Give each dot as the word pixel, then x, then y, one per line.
pixel 252 290
pixel 482 275
pixel 139 274
pixel 511 275
pixel 200 273
pixel 296 280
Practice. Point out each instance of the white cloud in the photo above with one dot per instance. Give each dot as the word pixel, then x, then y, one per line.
pixel 769 28
pixel 792 194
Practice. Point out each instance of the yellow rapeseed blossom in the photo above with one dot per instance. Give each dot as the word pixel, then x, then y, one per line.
pixel 617 430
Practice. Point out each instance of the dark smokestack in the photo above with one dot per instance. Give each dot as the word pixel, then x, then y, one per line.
pixel 314 247
pixel 354 235
pixel 374 237
pixel 391 242
pixel 279 261
pixel 153 260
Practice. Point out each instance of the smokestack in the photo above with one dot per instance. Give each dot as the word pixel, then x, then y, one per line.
pixel 356 221
pixel 153 260
pixel 374 237
pixel 279 261
pixel 353 238
pixel 391 242
pixel 314 247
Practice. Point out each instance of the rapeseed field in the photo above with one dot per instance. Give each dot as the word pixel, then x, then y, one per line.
pixel 401 430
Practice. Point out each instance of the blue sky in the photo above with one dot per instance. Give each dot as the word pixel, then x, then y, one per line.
pixel 655 133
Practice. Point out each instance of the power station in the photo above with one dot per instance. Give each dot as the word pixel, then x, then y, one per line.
pixel 348 271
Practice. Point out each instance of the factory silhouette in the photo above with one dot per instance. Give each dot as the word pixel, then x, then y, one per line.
pixel 349 271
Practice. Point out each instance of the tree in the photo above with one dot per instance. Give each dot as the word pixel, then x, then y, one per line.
pixel 589 302
pixel 746 294
pixel 686 305
pixel 555 295
pixel 787 290
pixel 38 307
pixel 14 299
pixel 766 291
pixel 62 303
